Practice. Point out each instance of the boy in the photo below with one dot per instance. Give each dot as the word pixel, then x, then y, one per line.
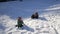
pixel 19 22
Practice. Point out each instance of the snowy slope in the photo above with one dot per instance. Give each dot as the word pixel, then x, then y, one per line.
pixel 25 8
pixel 48 25
pixel 48 22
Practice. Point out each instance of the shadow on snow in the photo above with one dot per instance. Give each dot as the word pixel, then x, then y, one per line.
pixel 43 18
pixel 25 27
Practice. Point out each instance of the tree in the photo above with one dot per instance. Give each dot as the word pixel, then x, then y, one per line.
pixel 3 0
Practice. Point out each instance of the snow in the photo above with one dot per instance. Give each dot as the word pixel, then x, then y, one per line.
pixel 33 26
pixel 48 22
pixel 54 7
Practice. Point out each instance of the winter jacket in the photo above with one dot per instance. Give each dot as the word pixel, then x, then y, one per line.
pixel 20 23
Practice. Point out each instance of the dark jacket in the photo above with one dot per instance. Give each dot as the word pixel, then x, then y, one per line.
pixel 20 23
pixel 35 16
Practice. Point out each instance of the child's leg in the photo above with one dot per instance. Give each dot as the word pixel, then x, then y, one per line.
pixel 21 25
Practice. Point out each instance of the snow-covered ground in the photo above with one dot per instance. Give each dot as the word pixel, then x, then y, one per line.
pixel 48 22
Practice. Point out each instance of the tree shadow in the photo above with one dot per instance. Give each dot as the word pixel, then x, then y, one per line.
pixel 25 27
pixel 43 18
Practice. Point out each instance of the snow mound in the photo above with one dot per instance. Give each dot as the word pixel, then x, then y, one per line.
pixel 43 25
pixel 34 26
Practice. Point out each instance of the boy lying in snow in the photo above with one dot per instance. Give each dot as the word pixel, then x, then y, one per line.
pixel 35 15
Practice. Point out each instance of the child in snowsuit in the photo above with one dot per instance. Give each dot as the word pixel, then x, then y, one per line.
pixel 20 22
pixel 35 15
